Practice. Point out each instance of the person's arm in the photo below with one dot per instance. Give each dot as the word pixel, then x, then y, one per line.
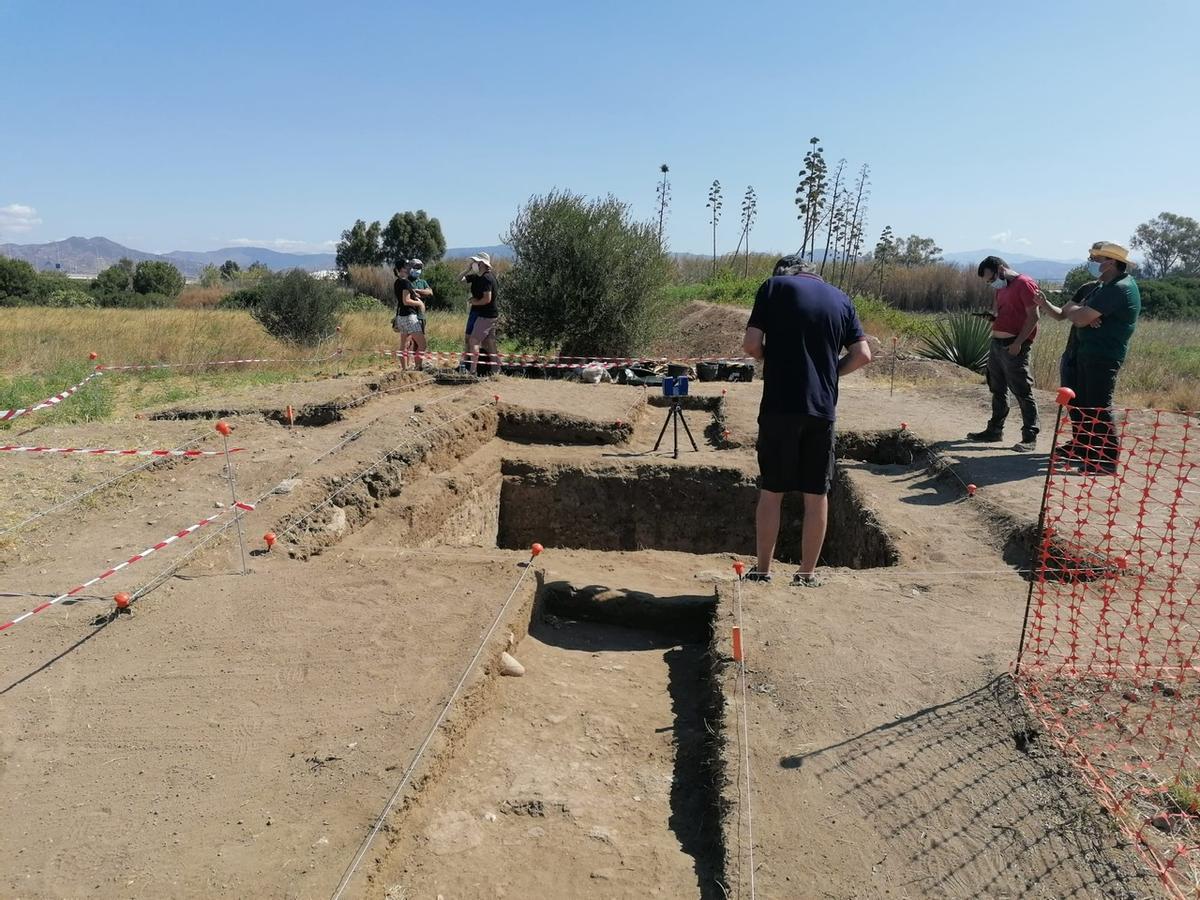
pixel 752 343
pixel 1031 321
pixel 483 300
pixel 424 293
pixel 408 298
pixel 1080 316
pixel 1054 312
pixel 857 355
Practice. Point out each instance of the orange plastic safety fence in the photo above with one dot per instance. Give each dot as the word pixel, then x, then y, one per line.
pixel 1110 660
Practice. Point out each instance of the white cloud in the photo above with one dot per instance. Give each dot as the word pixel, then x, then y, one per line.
pixel 1025 241
pixel 18 219
pixel 1068 241
pixel 1002 237
pixel 284 245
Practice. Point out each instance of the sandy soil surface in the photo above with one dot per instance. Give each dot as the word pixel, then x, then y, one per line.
pixel 238 735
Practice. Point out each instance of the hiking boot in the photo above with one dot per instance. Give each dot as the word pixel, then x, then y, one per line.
pixel 807 579
pixel 755 575
pixel 1026 445
pixel 987 436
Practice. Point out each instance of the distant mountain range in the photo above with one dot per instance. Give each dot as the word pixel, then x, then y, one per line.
pixel 1033 266
pixel 89 256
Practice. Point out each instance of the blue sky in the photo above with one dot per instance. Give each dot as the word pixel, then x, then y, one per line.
pixel 1038 127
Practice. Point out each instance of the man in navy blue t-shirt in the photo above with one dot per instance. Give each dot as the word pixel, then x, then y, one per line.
pixel 798 329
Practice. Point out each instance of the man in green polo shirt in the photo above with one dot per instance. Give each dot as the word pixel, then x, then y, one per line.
pixel 1103 323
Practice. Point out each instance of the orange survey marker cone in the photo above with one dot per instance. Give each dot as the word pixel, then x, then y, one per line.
pixel 536 550
pixel 122 601
pixel 269 538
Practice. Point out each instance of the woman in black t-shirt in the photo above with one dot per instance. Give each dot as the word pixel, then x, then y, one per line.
pixel 407 322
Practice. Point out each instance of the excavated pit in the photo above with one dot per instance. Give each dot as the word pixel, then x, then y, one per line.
pixel 700 509
pixel 621 690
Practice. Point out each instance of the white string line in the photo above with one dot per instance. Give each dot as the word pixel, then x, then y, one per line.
pixel 366 844
pixel 745 717
pixel 101 486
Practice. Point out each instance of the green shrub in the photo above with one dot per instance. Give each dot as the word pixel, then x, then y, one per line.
pixel 1171 298
pixel 154 276
pixel 587 277
pixel 113 281
pixel 359 303
pixel 297 308
pixel 448 291
pixel 244 298
pixel 18 280
pixel 68 297
pixel 962 339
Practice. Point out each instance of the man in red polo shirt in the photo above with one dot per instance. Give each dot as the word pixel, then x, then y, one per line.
pixel 1014 326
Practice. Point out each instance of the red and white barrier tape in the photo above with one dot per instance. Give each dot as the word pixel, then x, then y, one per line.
pixel 221 362
pixel 117 568
pixel 7 414
pixel 104 451
pixel 556 362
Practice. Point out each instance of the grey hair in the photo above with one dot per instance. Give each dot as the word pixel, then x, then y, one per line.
pixel 794 264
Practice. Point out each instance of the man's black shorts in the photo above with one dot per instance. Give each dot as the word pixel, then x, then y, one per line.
pixel 795 453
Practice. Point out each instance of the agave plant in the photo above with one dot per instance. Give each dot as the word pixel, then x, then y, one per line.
pixel 961 339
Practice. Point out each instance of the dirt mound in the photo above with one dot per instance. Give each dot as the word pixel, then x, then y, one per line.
pixel 704 329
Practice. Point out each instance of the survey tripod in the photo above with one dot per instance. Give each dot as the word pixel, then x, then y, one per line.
pixel 675 389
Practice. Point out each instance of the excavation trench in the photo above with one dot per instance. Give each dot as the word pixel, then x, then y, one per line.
pixel 598 772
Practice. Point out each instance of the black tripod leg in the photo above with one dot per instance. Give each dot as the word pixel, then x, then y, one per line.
pixel 689 431
pixel 676 415
pixel 664 431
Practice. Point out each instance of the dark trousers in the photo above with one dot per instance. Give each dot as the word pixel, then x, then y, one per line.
pixel 1093 381
pixel 1006 373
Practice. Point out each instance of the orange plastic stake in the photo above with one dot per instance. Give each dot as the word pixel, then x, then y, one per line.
pixel 122 600
pixel 269 537
pixel 904 426
pixel 93 355
pixel 971 489
pixel 223 428
pixel 739 567
pixel 291 415
pixel 737 643
pixel 1065 396
pixel 536 549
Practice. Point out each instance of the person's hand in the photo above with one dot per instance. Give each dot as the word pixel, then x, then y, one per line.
pixel 1014 349
pixel 1096 324
pixel 1042 300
